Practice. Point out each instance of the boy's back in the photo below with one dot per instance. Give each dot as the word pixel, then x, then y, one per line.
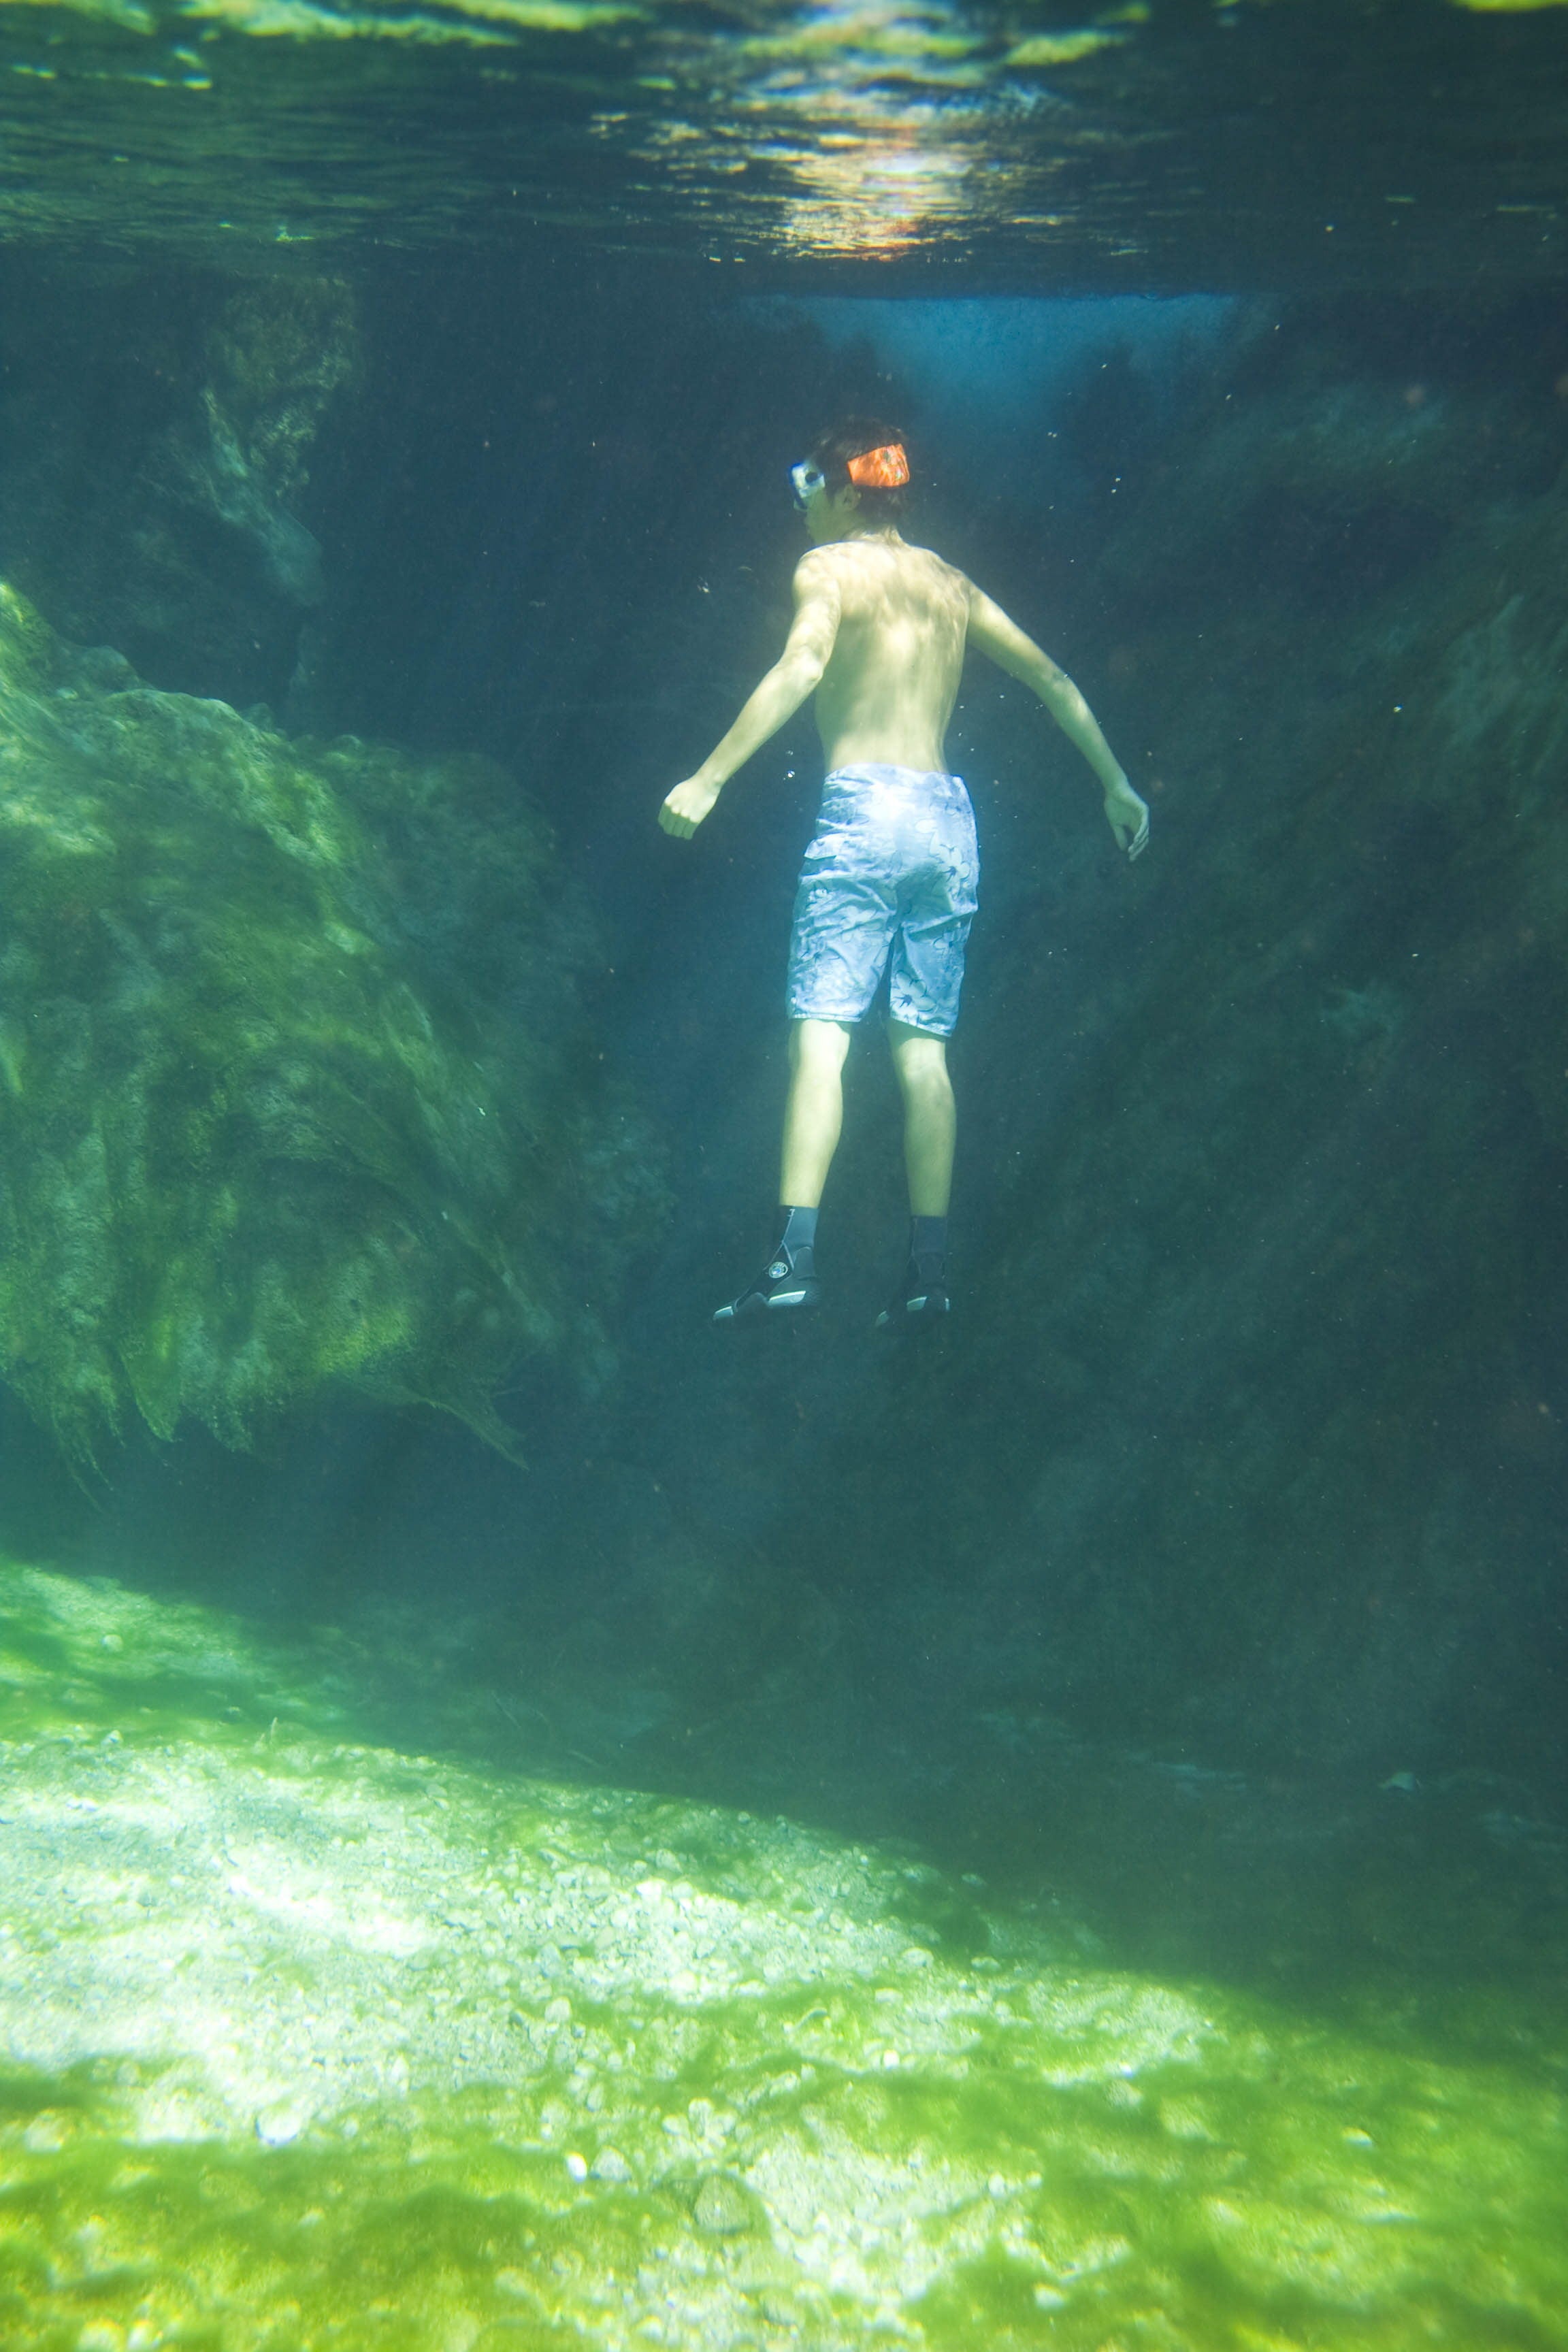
pixel 898 617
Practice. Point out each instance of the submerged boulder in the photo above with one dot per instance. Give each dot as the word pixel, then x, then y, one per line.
pixel 294 1083
pixel 160 446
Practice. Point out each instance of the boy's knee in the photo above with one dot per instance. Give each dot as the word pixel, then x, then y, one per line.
pixel 921 1061
pixel 818 1044
pixel 930 1084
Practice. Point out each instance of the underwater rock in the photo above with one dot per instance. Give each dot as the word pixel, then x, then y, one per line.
pixel 155 449
pixel 722 2208
pixel 280 2125
pixel 221 477
pixel 1326 472
pixel 294 1079
pixel 275 357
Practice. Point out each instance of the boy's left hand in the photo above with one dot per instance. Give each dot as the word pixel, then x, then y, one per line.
pixel 1128 817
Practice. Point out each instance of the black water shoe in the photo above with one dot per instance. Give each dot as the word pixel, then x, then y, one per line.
pixel 920 1299
pixel 786 1286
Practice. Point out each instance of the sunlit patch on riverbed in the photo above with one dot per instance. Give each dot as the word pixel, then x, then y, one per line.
pixel 308 2040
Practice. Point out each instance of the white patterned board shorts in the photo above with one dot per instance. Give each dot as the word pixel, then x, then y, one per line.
pixel 889 885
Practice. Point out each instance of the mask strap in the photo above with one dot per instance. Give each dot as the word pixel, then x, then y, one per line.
pixel 880 469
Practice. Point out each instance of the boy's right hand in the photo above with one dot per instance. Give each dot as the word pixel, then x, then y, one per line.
pixel 684 808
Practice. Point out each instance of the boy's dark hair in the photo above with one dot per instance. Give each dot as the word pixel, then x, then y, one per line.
pixel 833 450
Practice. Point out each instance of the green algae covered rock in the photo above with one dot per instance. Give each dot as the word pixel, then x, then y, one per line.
pixel 293 1089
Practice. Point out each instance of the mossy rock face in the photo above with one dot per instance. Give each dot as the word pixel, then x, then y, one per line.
pixel 293 1083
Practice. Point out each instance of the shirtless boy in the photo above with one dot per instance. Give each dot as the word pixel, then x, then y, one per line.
pixel 888 884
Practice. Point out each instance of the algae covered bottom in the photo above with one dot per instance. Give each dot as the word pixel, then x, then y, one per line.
pixel 307 2042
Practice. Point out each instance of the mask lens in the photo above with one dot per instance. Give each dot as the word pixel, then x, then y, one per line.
pixel 804 478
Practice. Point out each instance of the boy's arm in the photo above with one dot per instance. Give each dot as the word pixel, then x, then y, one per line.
pixel 1020 657
pixel 797 673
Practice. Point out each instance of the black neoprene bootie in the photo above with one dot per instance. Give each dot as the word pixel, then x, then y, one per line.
pixel 787 1284
pixel 920 1299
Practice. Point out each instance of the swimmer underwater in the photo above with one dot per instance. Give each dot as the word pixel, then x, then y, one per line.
pixel 890 879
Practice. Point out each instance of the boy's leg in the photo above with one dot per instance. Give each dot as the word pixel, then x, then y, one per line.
pixel 929 1128
pixel 814 1112
pixel 930 1118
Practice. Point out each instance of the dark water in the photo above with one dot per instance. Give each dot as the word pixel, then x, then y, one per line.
pixel 527 1820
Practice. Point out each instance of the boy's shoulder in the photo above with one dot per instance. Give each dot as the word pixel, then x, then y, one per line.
pixel 847 559
pixel 939 567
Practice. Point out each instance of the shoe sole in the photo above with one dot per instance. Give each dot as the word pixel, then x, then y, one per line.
pixel 915 1316
pixel 800 1299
